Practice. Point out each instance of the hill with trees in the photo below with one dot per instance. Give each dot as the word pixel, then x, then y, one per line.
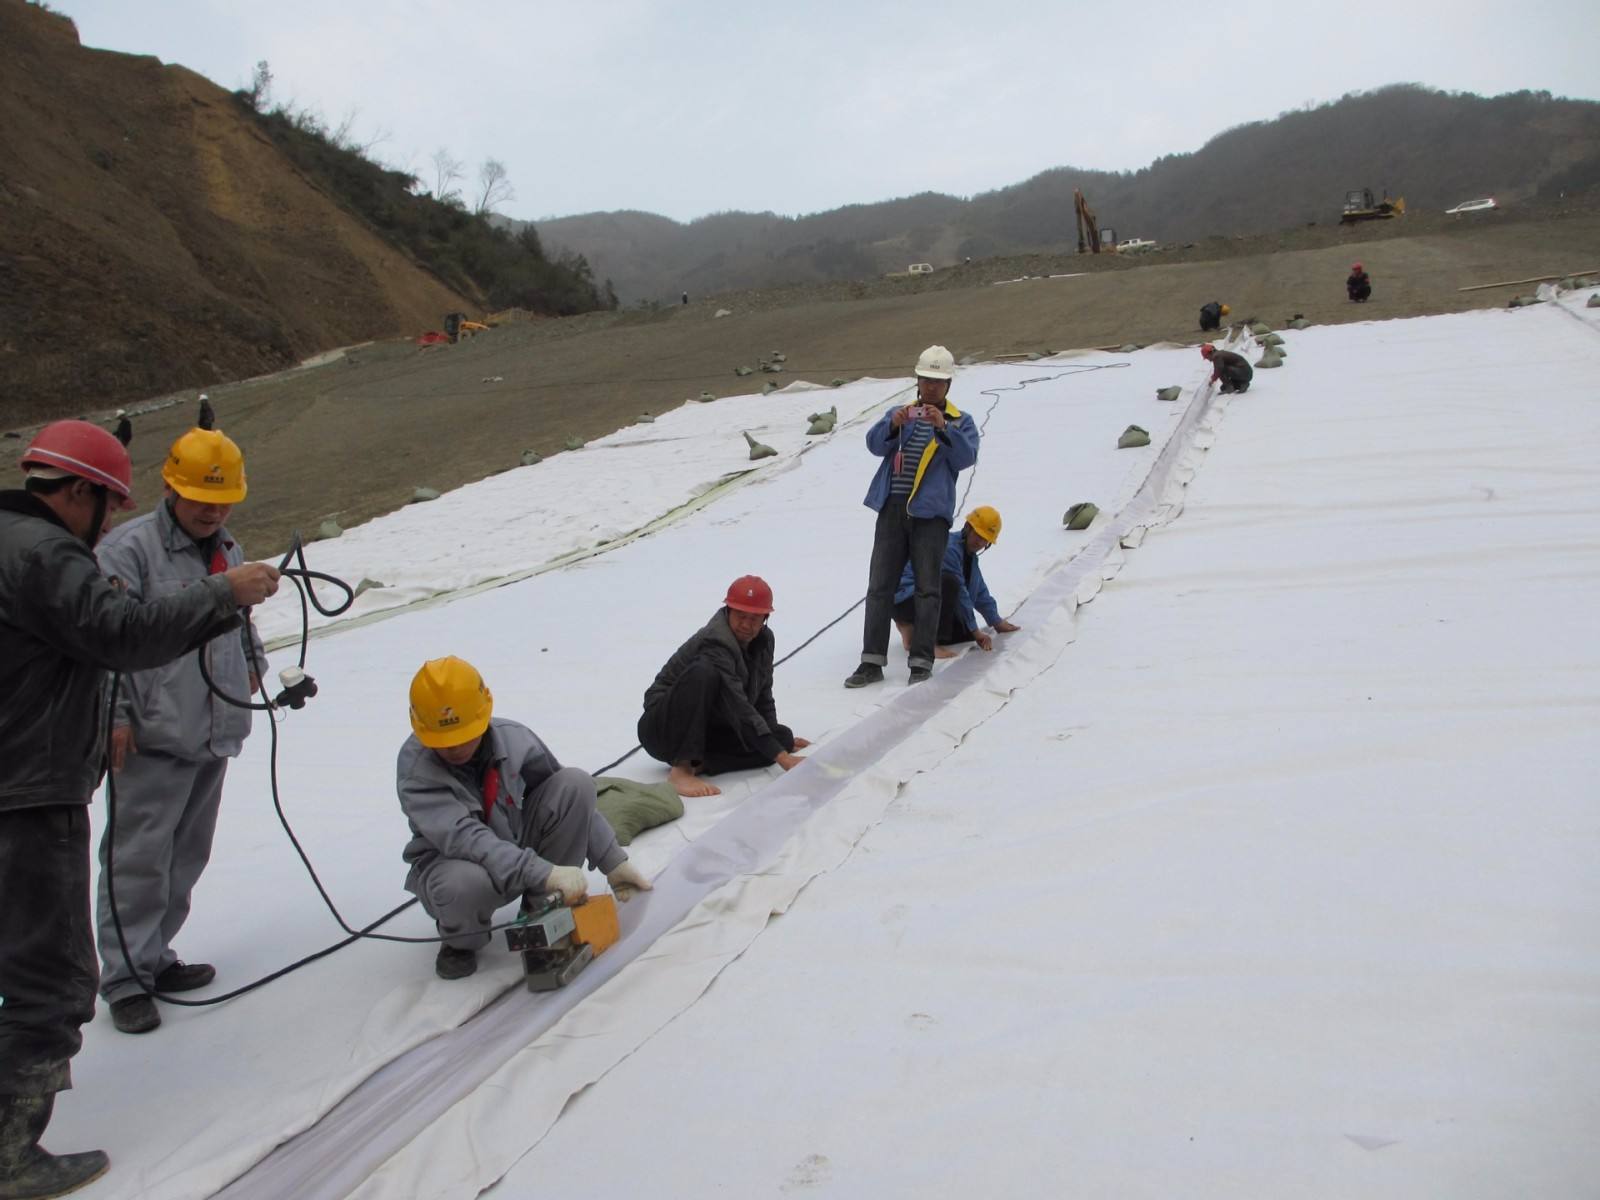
pixel 1435 148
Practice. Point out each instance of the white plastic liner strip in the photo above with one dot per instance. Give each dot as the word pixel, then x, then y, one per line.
pixel 410 1095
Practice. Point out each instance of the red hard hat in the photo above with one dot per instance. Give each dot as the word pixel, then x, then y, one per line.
pixel 1355 266
pixel 1207 350
pixel 87 451
pixel 749 593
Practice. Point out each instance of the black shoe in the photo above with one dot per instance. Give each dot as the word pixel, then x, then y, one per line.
pixel 27 1170
pixel 455 964
pixel 135 1014
pixel 185 977
pixel 921 674
pixel 866 673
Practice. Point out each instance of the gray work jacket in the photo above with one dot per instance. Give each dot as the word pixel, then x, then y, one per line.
pixel 170 708
pixel 62 627
pixel 446 813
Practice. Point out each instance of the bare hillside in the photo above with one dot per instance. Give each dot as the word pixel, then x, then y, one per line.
pixel 152 238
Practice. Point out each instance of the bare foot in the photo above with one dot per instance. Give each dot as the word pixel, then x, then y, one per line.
pixel 945 652
pixel 688 783
pixel 905 634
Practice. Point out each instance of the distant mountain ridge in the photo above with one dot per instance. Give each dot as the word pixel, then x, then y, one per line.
pixel 1435 148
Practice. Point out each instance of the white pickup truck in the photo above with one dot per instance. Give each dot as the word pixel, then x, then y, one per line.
pixel 1135 246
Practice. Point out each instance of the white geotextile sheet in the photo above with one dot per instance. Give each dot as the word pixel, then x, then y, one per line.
pixel 1280 882
pixel 187 1108
pixel 573 502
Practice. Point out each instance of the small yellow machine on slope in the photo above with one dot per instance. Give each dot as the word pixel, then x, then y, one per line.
pixel 1360 206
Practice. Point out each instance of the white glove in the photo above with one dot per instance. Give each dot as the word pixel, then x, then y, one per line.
pixel 571 882
pixel 626 878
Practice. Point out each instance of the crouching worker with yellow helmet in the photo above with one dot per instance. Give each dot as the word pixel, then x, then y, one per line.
pixel 961 589
pixel 494 817
pixel 171 736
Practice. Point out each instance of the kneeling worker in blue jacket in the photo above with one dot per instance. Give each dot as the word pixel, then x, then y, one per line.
pixel 924 447
pixel 961 589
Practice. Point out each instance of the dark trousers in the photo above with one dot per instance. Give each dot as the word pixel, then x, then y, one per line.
pixel 1234 377
pixel 951 631
pixel 48 970
pixel 900 538
pixel 693 723
pixel 1358 291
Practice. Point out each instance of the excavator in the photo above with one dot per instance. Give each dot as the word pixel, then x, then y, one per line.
pixel 1359 205
pixel 1091 238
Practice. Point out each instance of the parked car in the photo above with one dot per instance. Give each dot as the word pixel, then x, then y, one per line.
pixel 920 269
pixel 1134 245
pixel 1467 206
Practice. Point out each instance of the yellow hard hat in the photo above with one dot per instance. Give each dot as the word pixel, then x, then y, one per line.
pixel 450 703
pixel 985 522
pixel 206 465
pixel 1226 310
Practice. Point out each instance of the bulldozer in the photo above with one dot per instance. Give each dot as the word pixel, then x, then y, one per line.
pixel 457 327
pixel 1359 205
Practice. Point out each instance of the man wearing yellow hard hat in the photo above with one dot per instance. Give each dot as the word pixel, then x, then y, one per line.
pixel 961 589
pixel 1211 315
pixel 171 737
pixel 494 817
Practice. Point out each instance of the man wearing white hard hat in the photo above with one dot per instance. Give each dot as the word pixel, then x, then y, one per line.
pixel 923 446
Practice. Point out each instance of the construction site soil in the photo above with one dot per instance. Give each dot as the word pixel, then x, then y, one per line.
pixel 352 437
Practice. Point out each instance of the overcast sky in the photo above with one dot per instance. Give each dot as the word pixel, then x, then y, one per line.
pixel 696 106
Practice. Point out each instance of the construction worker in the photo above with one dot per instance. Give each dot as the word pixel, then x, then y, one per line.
pixel 1359 285
pixel 1227 368
pixel 1211 315
pixel 63 626
pixel 961 589
pixel 494 817
pixel 171 736
pixel 710 708
pixel 924 446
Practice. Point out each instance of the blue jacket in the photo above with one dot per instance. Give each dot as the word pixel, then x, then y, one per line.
pixel 948 453
pixel 971 591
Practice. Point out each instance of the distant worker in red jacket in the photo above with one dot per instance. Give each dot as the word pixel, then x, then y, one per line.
pixel 1227 368
pixel 1359 285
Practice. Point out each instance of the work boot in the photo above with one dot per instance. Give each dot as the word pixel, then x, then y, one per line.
pixel 185 977
pixel 455 964
pixel 27 1170
pixel 921 674
pixel 866 673
pixel 135 1014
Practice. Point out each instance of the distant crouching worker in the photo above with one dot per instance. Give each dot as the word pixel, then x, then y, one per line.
pixel 1359 286
pixel 710 708
pixel 1211 315
pixel 494 817
pixel 171 737
pixel 1228 369
pixel 961 589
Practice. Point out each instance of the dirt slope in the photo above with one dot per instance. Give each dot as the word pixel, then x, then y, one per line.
pixel 152 238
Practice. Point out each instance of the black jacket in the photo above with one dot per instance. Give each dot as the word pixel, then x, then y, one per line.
pixel 746 674
pixel 62 627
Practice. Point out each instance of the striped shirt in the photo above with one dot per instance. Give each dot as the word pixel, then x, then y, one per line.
pixel 913 441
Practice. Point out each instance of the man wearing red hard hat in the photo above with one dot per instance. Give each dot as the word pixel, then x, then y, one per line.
pixel 710 708
pixel 63 626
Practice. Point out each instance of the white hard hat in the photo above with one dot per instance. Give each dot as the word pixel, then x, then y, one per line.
pixel 936 363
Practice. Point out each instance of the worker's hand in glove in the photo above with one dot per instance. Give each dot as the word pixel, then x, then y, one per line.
pixel 571 882
pixel 788 761
pixel 626 879
pixel 801 743
pixel 252 583
pixel 985 642
pixel 1005 627
pixel 122 745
